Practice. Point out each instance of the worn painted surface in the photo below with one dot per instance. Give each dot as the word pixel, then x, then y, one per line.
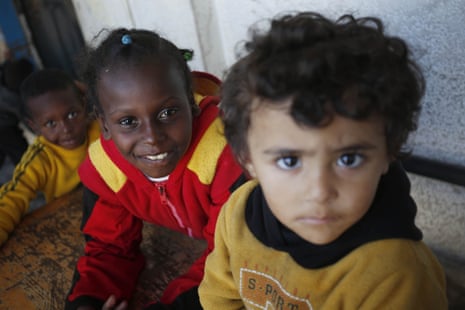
pixel 38 261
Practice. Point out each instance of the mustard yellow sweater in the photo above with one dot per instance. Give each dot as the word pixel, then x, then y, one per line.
pixel 241 273
pixel 46 168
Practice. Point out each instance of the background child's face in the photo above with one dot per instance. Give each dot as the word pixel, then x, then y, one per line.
pixel 317 181
pixel 147 113
pixel 60 117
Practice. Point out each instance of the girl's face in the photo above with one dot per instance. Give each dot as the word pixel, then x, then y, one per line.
pixel 60 117
pixel 147 114
pixel 317 181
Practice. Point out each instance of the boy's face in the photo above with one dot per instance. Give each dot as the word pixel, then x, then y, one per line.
pixel 318 182
pixel 60 117
pixel 147 113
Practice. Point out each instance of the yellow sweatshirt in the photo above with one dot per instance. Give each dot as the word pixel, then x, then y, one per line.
pixel 46 168
pixel 241 272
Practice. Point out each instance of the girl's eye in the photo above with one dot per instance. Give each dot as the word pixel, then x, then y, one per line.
pixel 72 115
pixel 167 113
pixel 350 160
pixel 288 162
pixel 128 122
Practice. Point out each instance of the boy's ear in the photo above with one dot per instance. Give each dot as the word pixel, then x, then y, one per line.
pixel 32 126
pixel 388 163
pixel 386 168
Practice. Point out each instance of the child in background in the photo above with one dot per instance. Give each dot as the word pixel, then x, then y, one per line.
pixel 162 158
pixel 56 112
pixel 13 144
pixel 318 112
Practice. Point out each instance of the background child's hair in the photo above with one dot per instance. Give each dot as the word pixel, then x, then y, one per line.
pixel 348 67
pixel 44 81
pixel 137 47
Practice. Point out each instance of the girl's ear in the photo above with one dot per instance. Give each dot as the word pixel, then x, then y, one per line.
pixel 103 126
pixel 195 110
pixel 194 106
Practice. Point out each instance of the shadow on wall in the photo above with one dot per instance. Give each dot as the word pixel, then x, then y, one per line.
pixel 55 32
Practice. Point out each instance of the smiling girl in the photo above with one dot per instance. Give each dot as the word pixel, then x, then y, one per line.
pixel 162 158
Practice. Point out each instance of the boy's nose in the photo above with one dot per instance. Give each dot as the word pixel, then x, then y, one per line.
pixel 66 127
pixel 320 186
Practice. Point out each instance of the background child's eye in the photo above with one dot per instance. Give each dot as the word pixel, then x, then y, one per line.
pixel 72 115
pixel 288 162
pixel 50 124
pixel 350 160
pixel 167 113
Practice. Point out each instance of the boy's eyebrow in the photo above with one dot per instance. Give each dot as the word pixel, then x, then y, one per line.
pixel 356 147
pixel 348 148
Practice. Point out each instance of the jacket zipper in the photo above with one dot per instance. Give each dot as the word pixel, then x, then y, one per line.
pixel 174 212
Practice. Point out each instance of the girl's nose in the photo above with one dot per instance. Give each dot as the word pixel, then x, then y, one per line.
pixel 153 133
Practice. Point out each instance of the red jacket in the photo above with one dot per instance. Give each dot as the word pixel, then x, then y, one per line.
pixel 122 197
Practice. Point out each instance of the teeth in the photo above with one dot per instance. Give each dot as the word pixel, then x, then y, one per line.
pixel 157 157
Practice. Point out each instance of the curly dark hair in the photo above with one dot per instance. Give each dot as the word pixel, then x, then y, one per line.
pixel 113 52
pixel 348 67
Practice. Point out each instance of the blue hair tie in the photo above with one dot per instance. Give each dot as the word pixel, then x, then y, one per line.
pixel 126 39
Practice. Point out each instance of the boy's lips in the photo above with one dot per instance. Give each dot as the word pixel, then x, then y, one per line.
pixel 69 142
pixel 316 220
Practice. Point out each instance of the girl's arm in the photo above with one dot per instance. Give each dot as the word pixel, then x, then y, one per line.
pixel 112 260
pixel 228 176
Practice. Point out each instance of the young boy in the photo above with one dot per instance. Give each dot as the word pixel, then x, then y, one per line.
pixel 55 110
pixel 317 113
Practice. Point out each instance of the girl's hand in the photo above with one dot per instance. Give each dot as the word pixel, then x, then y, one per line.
pixel 110 304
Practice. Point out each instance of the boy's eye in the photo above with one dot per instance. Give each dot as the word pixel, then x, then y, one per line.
pixel 288 162
pixel 167 113
pixel 350 160
pixel 72 115
pixel 128 122
pixel 50 124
